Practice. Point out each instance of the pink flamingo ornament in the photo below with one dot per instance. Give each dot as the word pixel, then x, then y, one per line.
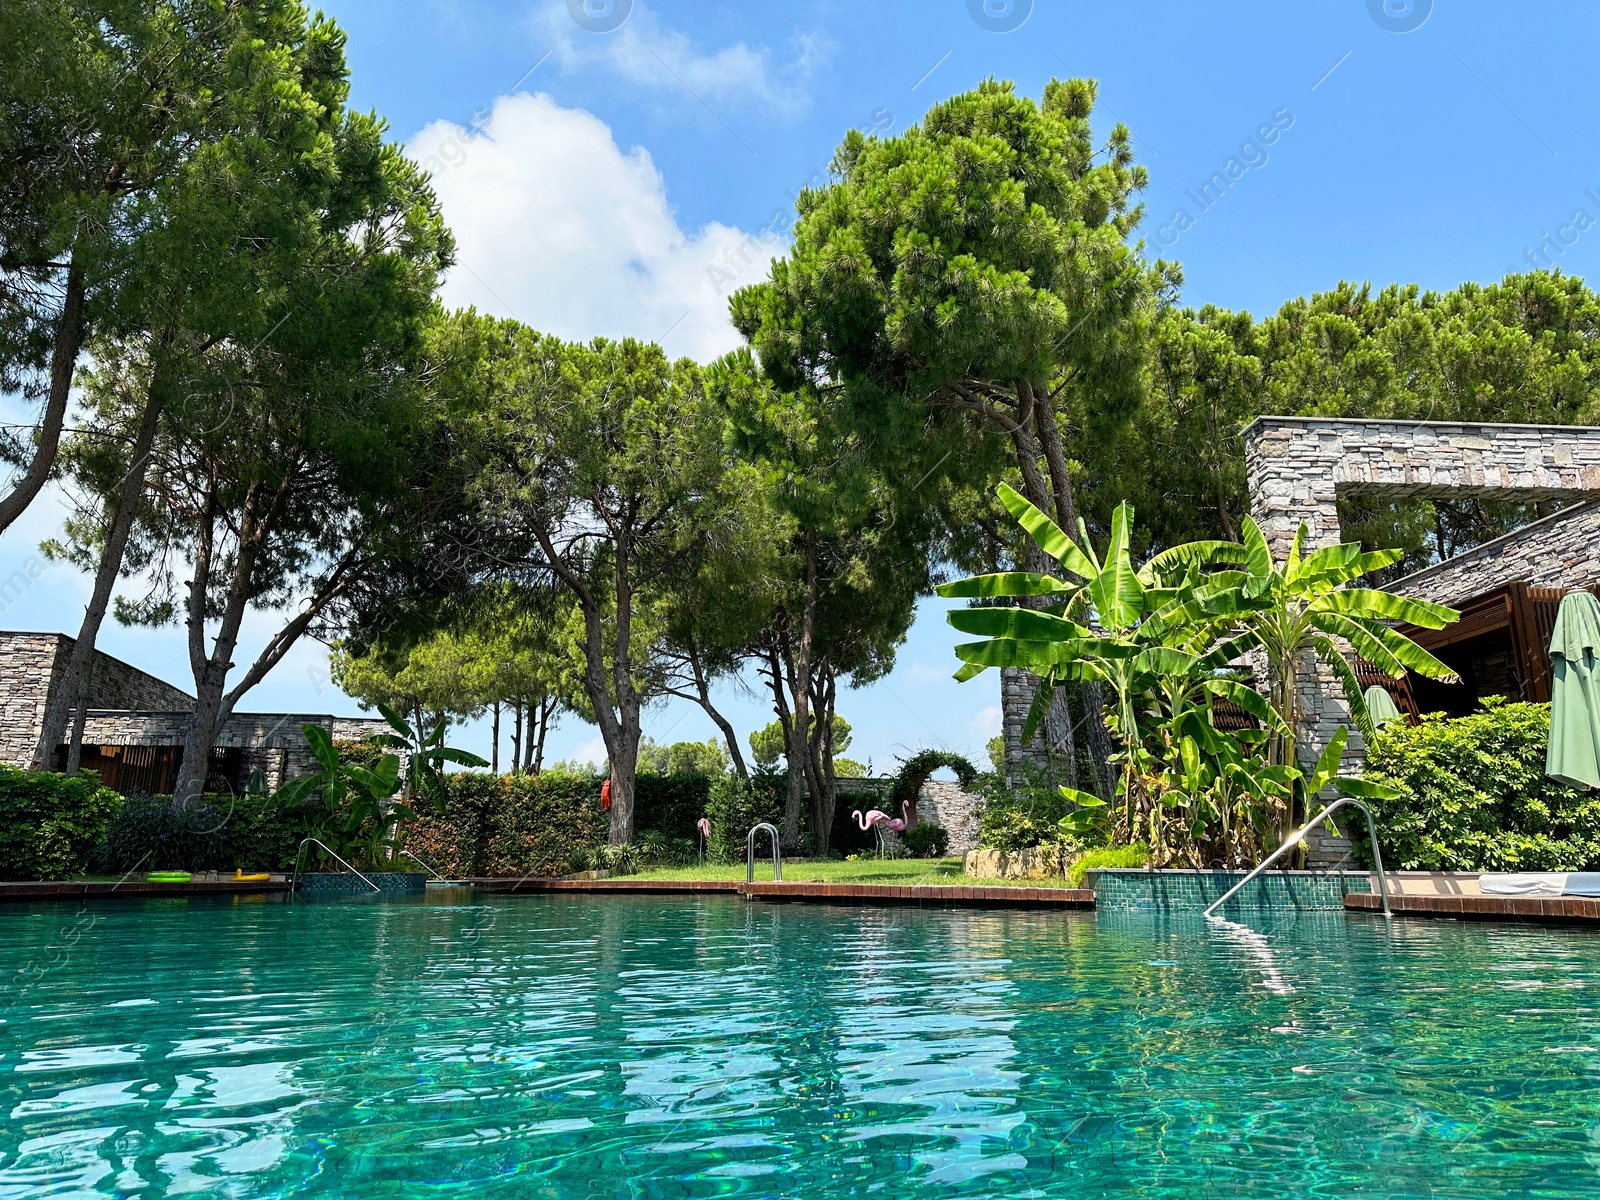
pixel 703 827
pixel 898 824
pixel 871 819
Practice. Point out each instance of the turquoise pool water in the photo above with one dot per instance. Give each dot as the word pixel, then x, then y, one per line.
pixel 633 1047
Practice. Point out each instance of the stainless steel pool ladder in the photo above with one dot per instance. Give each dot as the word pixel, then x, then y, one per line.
pixel 750 852
pixel 1297 838
pixel 296 884
pixel 434 874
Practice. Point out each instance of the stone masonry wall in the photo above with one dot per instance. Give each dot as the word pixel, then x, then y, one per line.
pixel 31 664
pixel 1558 551
pixel 1299 467
pixel 272 743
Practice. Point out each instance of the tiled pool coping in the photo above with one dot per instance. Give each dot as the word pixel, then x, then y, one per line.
pixel 67 889
pixel 944 895
pixel 1580 910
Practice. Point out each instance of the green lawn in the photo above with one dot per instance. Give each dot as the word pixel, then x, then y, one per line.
pixel 899 872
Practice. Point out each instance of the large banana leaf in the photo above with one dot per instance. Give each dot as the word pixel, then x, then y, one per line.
pixel 1024 623
pixel 1371 603
pixel 1006 583
pixel 1115 591
pixel 1257 561
pixel 1046 533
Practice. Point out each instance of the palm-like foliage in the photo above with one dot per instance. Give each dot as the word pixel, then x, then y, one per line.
pixel 1163 638
pixel 1300 610
pixel 1152 645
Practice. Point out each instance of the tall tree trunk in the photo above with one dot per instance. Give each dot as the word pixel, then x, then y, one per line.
pixel 622 740
pixel 535 721
pixel 494 741
pixel 72 693
pixel 1097 739
pixel 212 704
pixel 819 766
pixel 797 670
pixel 516 737
pixel 63 362
pixel 547 709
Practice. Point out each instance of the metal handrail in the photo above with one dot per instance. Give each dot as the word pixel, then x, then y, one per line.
pixel 750 852
pixel 297 854
pixel 1295 840
pixel 425 866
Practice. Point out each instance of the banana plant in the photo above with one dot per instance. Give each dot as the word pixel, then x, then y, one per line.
pixel 355 817
pixel 425 754
pixel 1150 639
pixel 1298 610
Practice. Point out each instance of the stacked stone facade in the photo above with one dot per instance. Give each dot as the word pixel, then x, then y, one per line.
pixel 31 666
pixel 1299 467
pixel 130 707
pixel 1558 551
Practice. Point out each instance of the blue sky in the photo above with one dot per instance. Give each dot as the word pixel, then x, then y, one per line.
pixel 623 181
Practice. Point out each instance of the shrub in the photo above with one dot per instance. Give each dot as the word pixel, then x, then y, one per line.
pixel 669 804
pixel 1106 856
pixel 734 805
pixel 926 840
pixel 1019 818
pixel 50 823
pixel 215 833
pixel 511 824
pixel 1477 797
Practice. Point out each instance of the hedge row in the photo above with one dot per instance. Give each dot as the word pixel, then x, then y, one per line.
pixel 537 824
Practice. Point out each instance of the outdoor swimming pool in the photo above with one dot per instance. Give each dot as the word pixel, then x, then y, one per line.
pixel 640 1047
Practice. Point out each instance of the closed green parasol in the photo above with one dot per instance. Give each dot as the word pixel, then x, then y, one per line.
pixel 1574 754
pixel 1380 706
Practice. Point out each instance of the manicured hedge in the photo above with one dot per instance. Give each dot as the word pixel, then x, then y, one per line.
pixel 215 833
pixel 734 807
pixel 535 824
pixel 1477 797
pixel 50 823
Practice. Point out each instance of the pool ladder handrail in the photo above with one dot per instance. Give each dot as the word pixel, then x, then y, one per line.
pixel 1295 839
pixel 750 852
pixel 426 867
pixel 295 885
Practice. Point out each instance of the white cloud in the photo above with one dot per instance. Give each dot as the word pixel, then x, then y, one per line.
pixel 986 723
pixel 559 228
pixel 644 50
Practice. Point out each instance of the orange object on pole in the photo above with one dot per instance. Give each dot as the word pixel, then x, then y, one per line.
pixel 605 796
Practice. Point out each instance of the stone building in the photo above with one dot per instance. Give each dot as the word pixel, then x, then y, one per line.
pixel 133 735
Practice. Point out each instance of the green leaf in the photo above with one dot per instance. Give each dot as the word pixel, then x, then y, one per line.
pixel 371 780
pixel 1037 710
pixel 1368 789
pixel 1006 583
pixel 1192 554
pixel 1115 592
pixel 1080 798
pixel 968 671
pixel 1252 701
pixel 321 742
pixel 399 725
pixel 1353 691
pixel 463 757
pixel 1045 532
pixel 1257 560
pixel 1328 764
pixel 1025 624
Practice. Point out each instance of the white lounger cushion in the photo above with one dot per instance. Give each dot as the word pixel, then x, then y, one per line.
pixel 1541 883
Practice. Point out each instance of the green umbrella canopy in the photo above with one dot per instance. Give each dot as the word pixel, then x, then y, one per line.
pixel 1574 754
pixel 1381 706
